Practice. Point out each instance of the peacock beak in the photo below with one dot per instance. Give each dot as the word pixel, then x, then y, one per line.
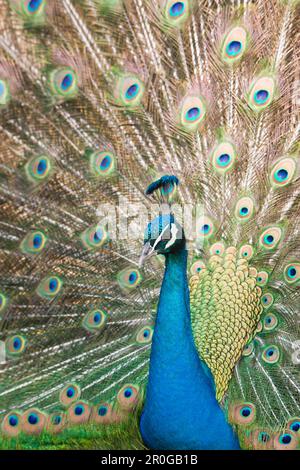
pixel 147 252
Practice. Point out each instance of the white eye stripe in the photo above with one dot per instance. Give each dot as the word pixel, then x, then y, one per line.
pixel 160 237
pixel 174 231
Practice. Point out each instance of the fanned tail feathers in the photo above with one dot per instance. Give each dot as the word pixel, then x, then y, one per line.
pixel 96 100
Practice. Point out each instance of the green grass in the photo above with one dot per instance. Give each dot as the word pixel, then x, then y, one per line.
pixel 123 436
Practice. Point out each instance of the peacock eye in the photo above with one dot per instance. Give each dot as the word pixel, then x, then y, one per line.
pixel 33 243
pixel 270 238
pixel 294 425
pixel 79 412
pixel 32 11
pixel 242 414
pixel 69 394
pixel 248 349
pixel 33 6
pixel 261 93
pixel 283 172
pixel 13 420
pixel 234 45
pixel 15 345
pixel 102 410
pixel 191 112
pixel 205 227
pixel 49 287
pixel 56 422
pixel 33 421
pixel 129 90
pixel 197 267
pixel 223 157
pixel 262 278
pixel 102 163
pixel 244 209
pixel 63 82
pixel 102 413
pixel 95 320
pixel 11 424
pixel 39 168
pixel 246 251
pixel 129 278
pixel 271 354
pixel 176 13
pixel 270 322
pixel 128 396
pixel 132 91
pixel 217 249
pixel 144 335
pixel 292 273
pixel 177 9
pixel 267 300
pixel 94 237
pixel 285 440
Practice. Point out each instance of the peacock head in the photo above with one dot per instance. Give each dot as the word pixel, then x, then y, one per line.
pixel 163 235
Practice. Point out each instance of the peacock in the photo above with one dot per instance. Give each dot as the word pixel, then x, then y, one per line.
pixel 138 128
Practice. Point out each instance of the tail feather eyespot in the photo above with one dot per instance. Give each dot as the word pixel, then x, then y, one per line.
pixel 128 397
pixel 175 13
pixel 11 424
pixel 102 163
pixel 294 425
pixel 205 228
pixel 267 300
pixel 191 113
pixel 242 413
pixel 283 172
pixel 129 90
pixel 197 267
pixel 262 278
pixel 261 93
pixel 248 349
pixel 286 440
pixel 271 354
pixel 33 421
pixel 95 320
pixel 39 168
pixel 79 412
pixel 223 157
pixel 29 10
pixel 33 243
pixel 217 248
pixel 292 273
pixel 15 345
pixel 246 252
pixel 144 335
pixel 129 278
pixel 244 209
pixel 270 238
pixel 270 322
pixel 63 82
pixel 69 394
pixel 50 287
pixel 262 439
pixel 234 45
pixel 94 237
pixel 102 413
pixel 56 422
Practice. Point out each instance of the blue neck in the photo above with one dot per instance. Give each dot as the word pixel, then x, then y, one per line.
pixel 180 411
